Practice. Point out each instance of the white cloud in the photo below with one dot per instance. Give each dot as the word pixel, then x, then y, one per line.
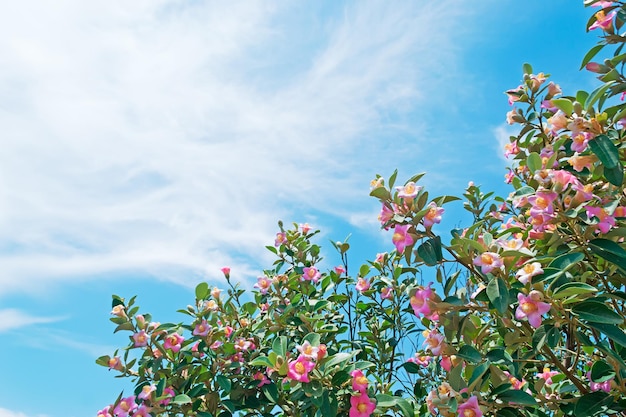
pixel 167 137
pixel 15 319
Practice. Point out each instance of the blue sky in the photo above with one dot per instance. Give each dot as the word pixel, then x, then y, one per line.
pixel 147 144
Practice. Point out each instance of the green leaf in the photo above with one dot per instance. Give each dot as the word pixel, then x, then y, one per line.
pixel 202 291
pixel 381 193
pixel 601 372
pixel 498 294
pixel 261 361
pixel 581 97
pixel 609 250
pixel 479 371
pixel 470 354
pixel 339 358
pixel 592 404
pixel 279 346
pixel 517 397
pixel 271 392
pixel 430 251
pixel 181 399
pixel 533 162
pixel 312 338
pixel 527 68
pixel 406 407
pixel 611 331
pixel 596 94
pixel 605 150
pixel 224 383
pixel 566 261
pixel 597 312
pixel 124 326
pixel 411 368
pixel 385 401
pixel 564 105
pixel 392 179
pixel 572 288
pixel 589 55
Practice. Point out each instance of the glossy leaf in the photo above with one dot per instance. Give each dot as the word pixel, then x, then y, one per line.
pixel 430 251
pixel 602 371
pixel 470 354
pixel 498 294
pixel 517 397
pixel 592 404
pixel 609 250
pixel 597 312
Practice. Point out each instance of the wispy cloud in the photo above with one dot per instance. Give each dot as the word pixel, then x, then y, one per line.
pixel 15 319
pixel 167 137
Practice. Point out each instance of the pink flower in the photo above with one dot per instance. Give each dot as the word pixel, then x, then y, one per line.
pixel 528 271
pixel 547 374
pixel 470 408
pixel 401 237
pixel 508 177
pixel 105 412
pixel 116 363
pixel 226 271
pixel 361 406
pixel 126 406
pixel 421 360
pixel 307 350
pixel 359 381
pixel 434 341
pixel 168 393
pixel 215 293
pixel 311 274
pixel 386 214
pixel 300 368
pixel 263 380
pixel 448 361
pixel 605 221
pixel 581 162
pixel 420 301
pixel 597 386
pixel 305 228
pixel 321 352
pixel 173 341
pixel 409 190
pixel 263 284
pixel 202 329
pixel 433 215
pixel 516 383
pixel 542 202
pixel 580 141
pixel 515 94
pixel 142 411
pixel 245 345
pixel 386 293
pixel 531 307
pixel 146 392
pixel 140 338
pixel 362 285
pixel 118 311
pixel 603 21
pixel 380 258
pixel 281 238
pixel 511 149
pixel 488 261
pixel 339 270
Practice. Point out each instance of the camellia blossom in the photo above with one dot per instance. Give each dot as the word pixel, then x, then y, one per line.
pixel 434 341
pixel 361 406
pixel 140 338
pixel 305 228
pixel 281 238
pixel 125 407
pixel 169 394
pixel 597 386
pixel 488 261
pixel 401 237
pixel 421 360
pixel 470 408
pixel 359 381
pixel 142 411
pixel 531 307
pixel 263 284
pixel 311 274
pixel 528 271
pixel 262 378
pixel 603 21
pixel 547 375
pixel 202 329
pixel 173 341
pixel 105 412
pixel 226 271
pixel 300 368
pixel 362 285
pixel 605 221
pixel 409 190
pixel 146 392
pixel 116 363
pixel 420 301
pixel 306 349
pixel 386 293
pixel 433 215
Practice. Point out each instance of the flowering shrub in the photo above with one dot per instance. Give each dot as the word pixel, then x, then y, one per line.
pixel 526 317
